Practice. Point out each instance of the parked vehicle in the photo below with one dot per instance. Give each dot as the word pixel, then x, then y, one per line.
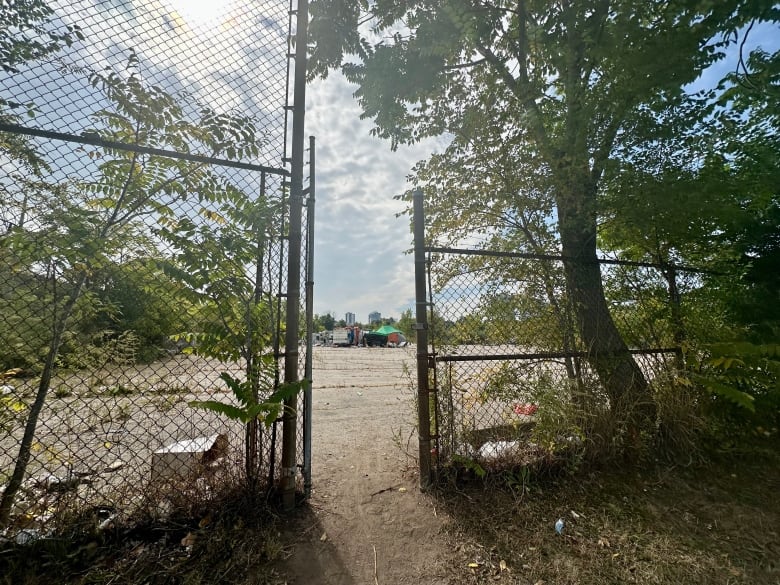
pixel 342 337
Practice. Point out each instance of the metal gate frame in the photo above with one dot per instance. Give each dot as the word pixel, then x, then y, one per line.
pixel 298 249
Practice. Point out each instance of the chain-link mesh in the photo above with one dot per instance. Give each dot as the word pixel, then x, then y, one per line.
pixel 143 222
pixel 508 351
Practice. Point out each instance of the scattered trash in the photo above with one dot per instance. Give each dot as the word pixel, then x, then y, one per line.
pixel 473 565
pixel 575 515
pixel 402 489
pixel 324 537
pixel 189 540
pixel 51 483
pixel 526 409
pixel 107 524
pixel 28 535
pixel 496 449
pixel 502 566
pixel 560 525
pixel 5 390
pixel 180 460
pixel 115 466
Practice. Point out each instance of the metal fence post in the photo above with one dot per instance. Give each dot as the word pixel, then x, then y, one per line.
pixel 678 326
pixel 421 326
pixel 290 420
pixel 308 366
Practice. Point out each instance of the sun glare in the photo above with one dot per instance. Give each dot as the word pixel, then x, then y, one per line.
pixel 201 13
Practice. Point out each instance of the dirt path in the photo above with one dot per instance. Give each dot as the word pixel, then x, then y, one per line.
pixel 367 522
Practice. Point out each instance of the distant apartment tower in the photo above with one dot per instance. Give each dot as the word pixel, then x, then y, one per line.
pixel 374 317
pixel 350 319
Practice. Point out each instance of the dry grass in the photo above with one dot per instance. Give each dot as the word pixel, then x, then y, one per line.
pixel 699 525
pixel 229 538
pixel 708 525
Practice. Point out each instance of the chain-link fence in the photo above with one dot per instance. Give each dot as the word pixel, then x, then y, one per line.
pixel 515 369
pixel 144 239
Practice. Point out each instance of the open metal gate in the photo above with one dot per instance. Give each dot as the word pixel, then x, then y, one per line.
pixel 156 238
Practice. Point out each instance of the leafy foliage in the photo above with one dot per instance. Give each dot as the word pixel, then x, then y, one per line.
pixel 27 33
pixel 249 407
pixel 745 374
pixel 324 322
pixel 572 128
pixel 69 234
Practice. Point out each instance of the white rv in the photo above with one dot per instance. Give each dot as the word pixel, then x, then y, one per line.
pixel 342 337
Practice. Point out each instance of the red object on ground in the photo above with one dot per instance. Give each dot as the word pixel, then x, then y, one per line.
pixel 527 409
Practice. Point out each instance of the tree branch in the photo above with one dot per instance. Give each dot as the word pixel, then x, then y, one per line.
pixel 521 90
pixel 465 65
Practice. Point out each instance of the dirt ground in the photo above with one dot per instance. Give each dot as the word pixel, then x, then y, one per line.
pixel 710 523
pixel 367 522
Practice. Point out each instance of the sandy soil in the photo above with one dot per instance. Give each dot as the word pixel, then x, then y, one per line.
pixel 367 522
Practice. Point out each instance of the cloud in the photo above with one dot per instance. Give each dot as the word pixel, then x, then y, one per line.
pixel 360 265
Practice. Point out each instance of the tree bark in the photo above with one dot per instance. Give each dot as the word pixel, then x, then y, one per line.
pixel 607 353
pixel 31 426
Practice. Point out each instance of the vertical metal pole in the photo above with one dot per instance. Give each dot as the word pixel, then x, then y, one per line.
pixel 421 326
pixel 307 372
pixel 678 327
pixel 290 419
pixel 253 432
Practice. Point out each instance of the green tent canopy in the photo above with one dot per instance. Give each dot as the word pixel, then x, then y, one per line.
pixel 386 330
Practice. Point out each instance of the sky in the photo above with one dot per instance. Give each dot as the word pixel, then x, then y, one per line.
pixel 360 260
pixel 360 265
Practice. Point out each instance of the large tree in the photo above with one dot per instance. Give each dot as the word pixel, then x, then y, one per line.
pixel 568 82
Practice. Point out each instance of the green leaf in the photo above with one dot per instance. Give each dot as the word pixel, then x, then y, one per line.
pixel 228 410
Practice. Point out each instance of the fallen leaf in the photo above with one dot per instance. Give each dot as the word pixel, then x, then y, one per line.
pixel 189 540
pixel 502 566
pixel 540 582
pixel 603 542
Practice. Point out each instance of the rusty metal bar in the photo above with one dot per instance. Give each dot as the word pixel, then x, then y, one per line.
pixel 290 420
pixel 421 326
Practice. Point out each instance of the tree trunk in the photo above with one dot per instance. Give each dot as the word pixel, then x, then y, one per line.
pixel 607 353
pixel 31 426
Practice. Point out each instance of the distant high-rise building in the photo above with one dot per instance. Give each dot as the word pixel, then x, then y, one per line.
pixel 374 317
pixel 350 319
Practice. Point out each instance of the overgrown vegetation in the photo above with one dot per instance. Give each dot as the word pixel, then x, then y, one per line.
pixel 104 266
pixel 225 535
pixel 578 128
pixel 698 524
